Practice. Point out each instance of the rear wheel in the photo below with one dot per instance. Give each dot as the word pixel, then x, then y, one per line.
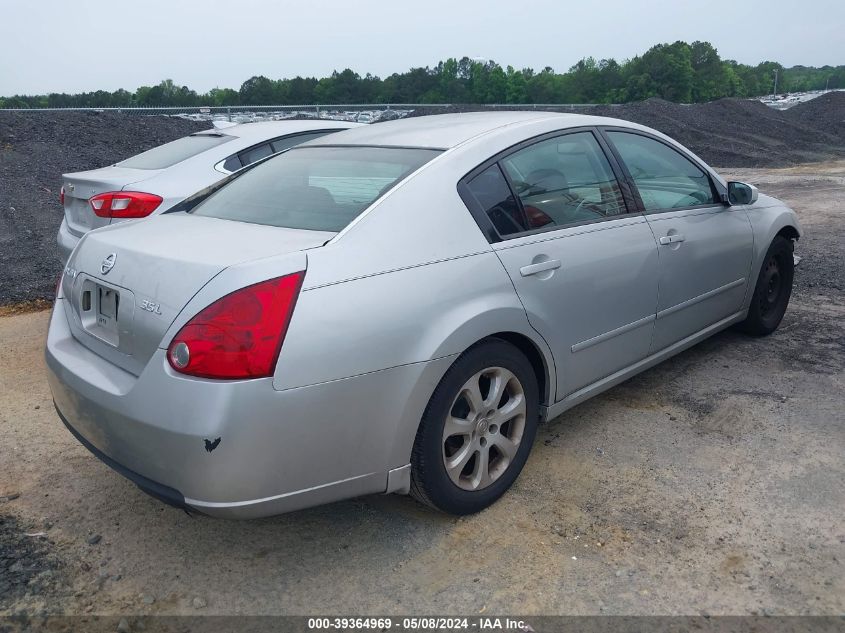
pixel 773 289
pixel 477 430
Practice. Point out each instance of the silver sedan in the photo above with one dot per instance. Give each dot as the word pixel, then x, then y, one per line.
pixel 154 181
pixel 395 308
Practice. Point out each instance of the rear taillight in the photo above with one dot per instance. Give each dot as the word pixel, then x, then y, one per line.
pixel 62 196
pixel 124 204
pixel 240 335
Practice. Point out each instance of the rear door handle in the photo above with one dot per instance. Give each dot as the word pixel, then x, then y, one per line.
pixel 533 269
pixel 671 239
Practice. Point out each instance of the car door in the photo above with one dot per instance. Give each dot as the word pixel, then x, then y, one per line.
pixel 705 246
pixel 584 267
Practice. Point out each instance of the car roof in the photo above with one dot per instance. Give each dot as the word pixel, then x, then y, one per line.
pixel 261 130
pixel 444 131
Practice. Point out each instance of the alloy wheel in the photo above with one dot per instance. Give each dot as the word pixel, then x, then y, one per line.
pixel 484 428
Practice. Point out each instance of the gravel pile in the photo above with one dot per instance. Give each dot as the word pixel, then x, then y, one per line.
pixel 825 113
pixel 35 150
pixel 727 132
pixel 37 147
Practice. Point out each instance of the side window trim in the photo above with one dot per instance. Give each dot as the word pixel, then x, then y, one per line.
pixel 520 205
pixel 718 194
pixel 630 195
pixel 486 225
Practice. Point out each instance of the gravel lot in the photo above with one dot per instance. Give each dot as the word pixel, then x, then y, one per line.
pixel 710 484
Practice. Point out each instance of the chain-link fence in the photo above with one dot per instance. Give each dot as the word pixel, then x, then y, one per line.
pixel 360 112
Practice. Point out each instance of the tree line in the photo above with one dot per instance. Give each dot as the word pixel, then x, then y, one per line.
pixel 680 72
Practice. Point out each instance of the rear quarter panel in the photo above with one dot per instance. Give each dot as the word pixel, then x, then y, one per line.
pixel 419 318
pixel 412 282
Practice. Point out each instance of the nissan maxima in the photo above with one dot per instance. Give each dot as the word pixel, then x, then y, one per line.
pixel 156 180
pixel 395 308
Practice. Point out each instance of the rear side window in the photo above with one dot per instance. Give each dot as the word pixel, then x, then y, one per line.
pixel 564 180
pixel 664 177
pixel 174 152
pixel 232 164
pixel 313 188
pixel 287 142
pixel 255 153
pixel 491 191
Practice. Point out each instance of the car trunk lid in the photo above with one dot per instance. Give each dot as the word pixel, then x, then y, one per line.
pixel 127 283
pixel 80 186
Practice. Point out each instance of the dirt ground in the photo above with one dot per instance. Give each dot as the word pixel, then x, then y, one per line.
pixel 714 483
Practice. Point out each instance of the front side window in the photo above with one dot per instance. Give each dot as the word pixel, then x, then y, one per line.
pixel 174 152
pixel 664 178
pixel 313 188
pixel 564 180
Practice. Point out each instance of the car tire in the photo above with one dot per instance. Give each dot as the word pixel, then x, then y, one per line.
pixel 471 445
pixel 772 291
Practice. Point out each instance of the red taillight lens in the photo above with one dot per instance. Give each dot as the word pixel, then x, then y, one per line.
pixel 240 335
pixel 62 196
pixel 124 204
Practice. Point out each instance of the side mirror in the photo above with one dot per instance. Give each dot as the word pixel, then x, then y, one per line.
pixel 742 193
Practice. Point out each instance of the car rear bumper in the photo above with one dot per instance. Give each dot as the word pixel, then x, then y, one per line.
pixel 238 449
pixel 67 241
pixel 163 493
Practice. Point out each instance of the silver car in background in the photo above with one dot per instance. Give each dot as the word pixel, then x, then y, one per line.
pixel 155 180
pixel 395 308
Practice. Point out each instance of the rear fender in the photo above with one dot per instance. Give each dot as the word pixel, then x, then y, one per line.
pixel 467 325
pixel 423 317
pixel 407 316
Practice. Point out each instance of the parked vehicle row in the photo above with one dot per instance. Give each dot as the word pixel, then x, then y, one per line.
pixel 395 308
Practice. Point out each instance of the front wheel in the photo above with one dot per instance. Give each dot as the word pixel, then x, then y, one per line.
pixel 773 289
pixel 477 430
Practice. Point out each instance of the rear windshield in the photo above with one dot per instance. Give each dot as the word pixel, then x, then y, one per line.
pixel 313 188
pixel 175 151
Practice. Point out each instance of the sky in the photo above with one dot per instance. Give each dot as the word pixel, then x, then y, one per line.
pixel 83 45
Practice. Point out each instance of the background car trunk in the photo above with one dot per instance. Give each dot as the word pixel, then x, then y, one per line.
pixel 158 266
pixel 81 186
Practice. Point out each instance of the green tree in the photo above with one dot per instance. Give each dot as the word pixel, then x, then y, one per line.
pixel 517 87
pixel 665 71
pixel 678 72
pixel 257 90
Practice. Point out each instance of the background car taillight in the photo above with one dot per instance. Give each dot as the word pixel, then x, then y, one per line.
pixel 124 204
pixel 239 335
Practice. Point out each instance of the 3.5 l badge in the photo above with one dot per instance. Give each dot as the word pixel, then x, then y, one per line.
pixel 150 306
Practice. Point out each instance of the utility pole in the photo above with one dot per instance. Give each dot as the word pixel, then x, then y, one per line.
pixel 775 89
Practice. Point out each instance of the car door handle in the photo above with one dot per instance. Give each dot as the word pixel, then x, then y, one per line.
pixel 671 239
pixel 533 269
